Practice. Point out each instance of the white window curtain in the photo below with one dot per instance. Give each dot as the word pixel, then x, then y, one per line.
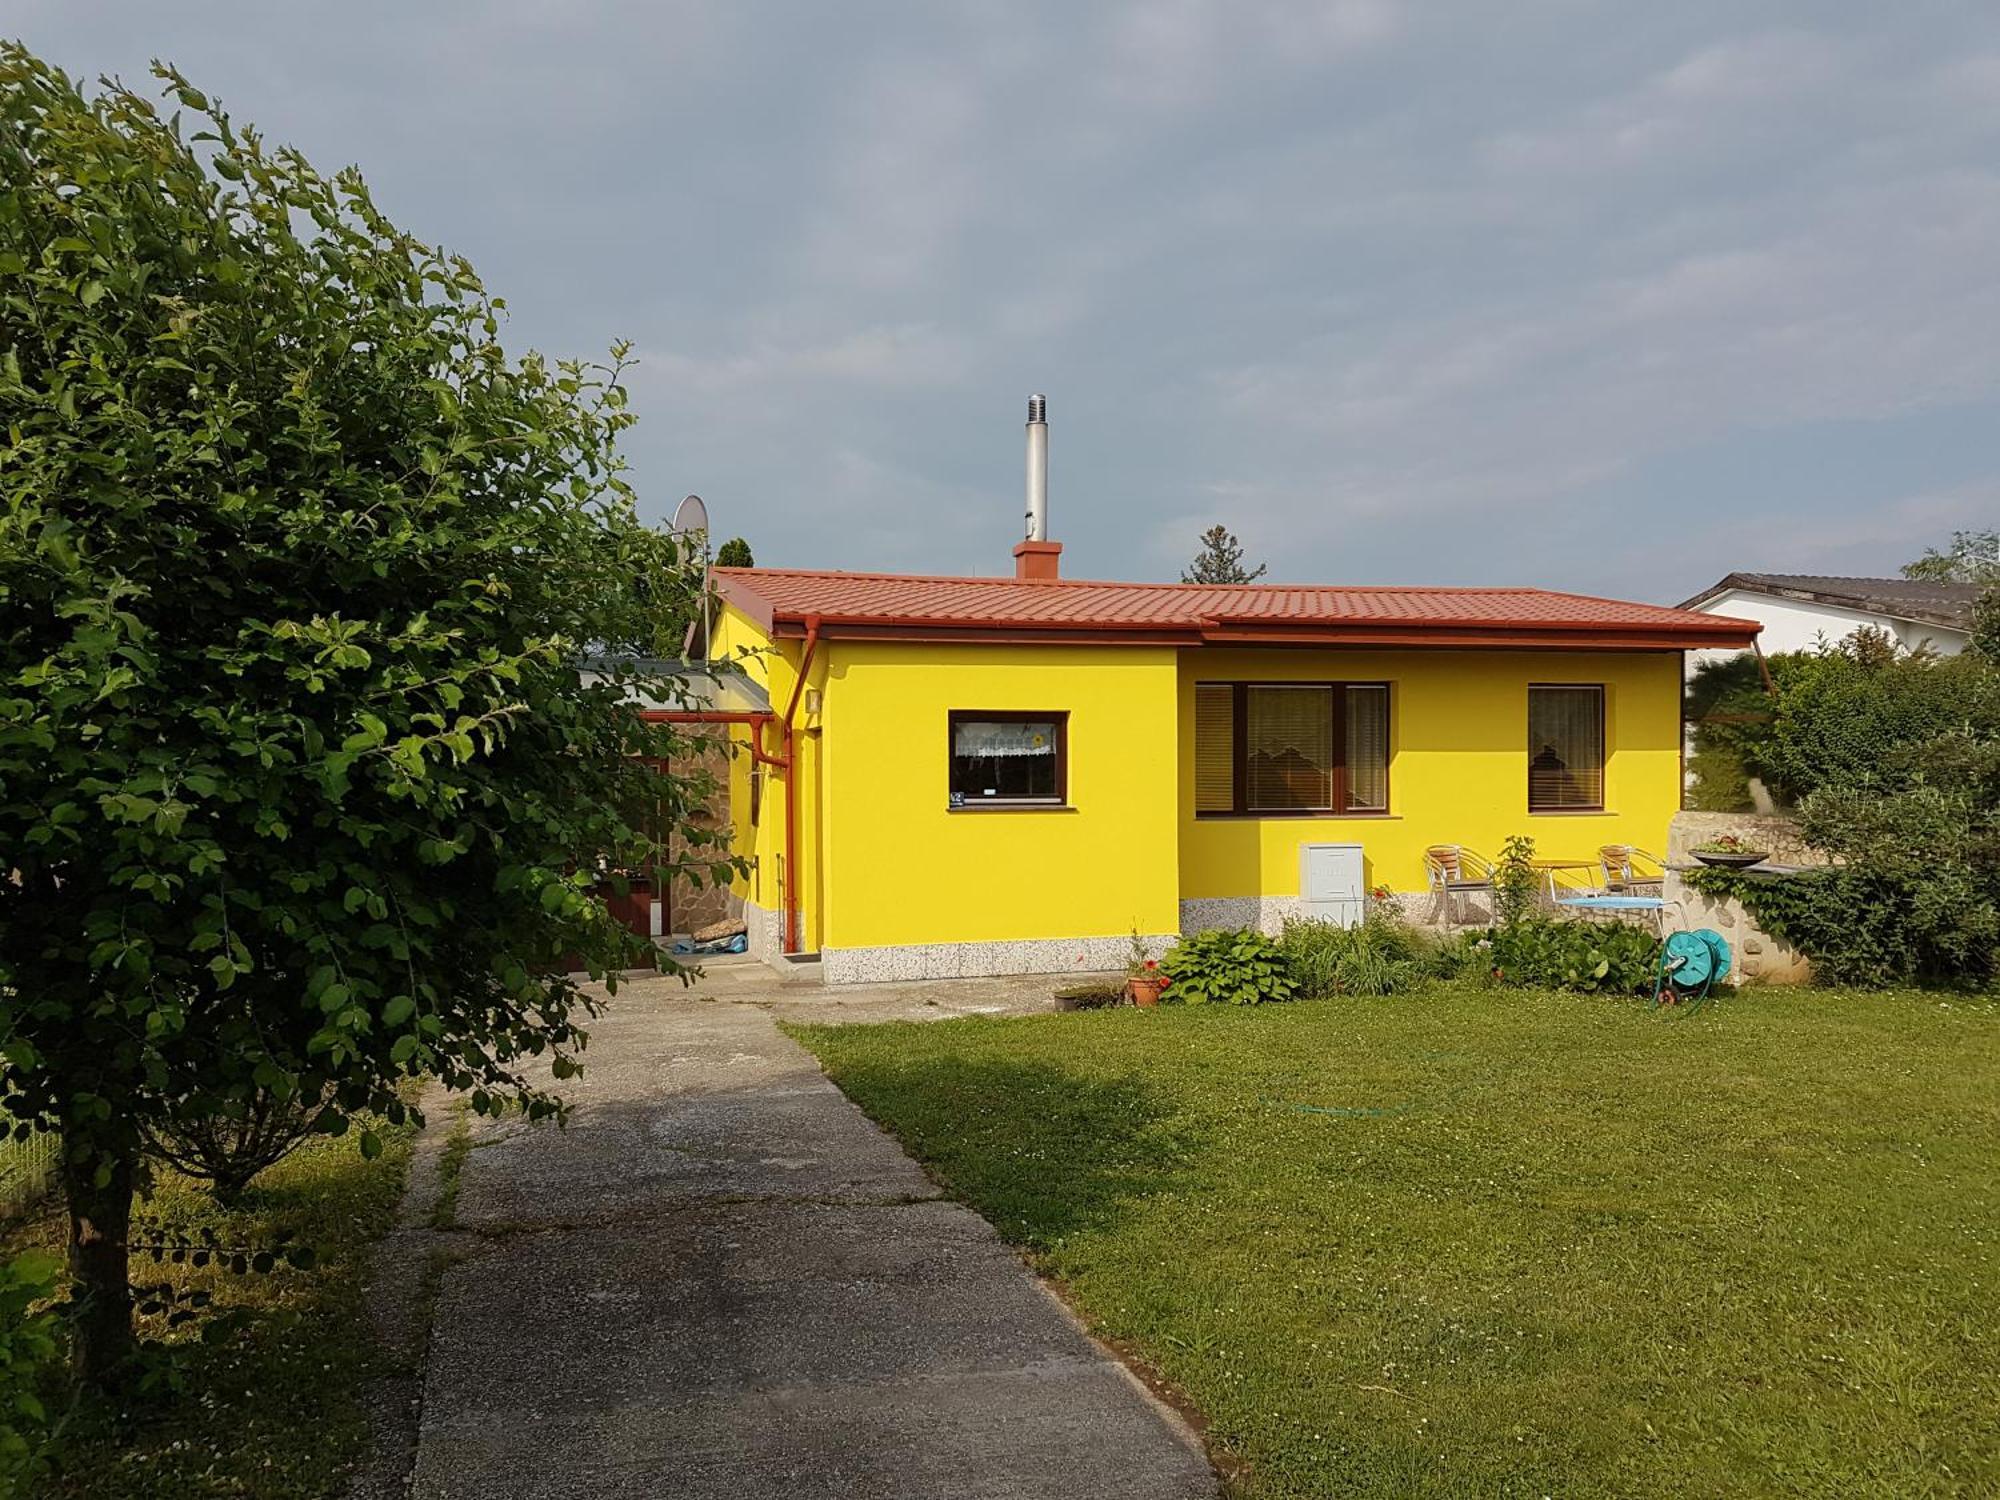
pixel 1290 748
pixel 1368 749
pixel 1565 748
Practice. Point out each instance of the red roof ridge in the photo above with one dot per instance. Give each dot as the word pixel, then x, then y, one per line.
pixel 1123 583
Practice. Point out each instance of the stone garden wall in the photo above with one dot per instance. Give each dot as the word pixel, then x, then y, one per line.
pixel 1757 956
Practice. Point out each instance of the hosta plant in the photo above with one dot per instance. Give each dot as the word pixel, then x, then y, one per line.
pixel 1228 968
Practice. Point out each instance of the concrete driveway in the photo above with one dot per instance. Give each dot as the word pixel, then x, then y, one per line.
pixel 722 1280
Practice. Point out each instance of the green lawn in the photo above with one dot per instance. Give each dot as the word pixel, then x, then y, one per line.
pixel 274 1412
pixel 1485 1243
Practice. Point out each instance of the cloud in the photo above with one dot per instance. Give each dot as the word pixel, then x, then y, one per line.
pixel 1604 297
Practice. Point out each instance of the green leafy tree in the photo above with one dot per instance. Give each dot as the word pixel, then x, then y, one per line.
pixel 301 792
pixel 735 553
pixel 1220 560
pixel 1972 557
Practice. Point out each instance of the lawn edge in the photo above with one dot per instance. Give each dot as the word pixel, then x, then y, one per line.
pixel 1173 1404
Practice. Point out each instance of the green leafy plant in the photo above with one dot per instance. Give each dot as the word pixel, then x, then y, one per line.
pixel 29 1349
pixel 1606 957
pixel 1726 843
pixel 735 553
pixel 1225 967
pixel 301 790
pixel 1377 956
pixel 1515 880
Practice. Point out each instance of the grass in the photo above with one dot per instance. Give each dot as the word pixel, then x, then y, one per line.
pixel 275 1411
pixel 1496 1243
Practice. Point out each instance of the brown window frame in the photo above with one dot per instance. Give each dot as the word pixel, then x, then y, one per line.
pixel 1059 717
pixel 1239 751
pixel 1603 746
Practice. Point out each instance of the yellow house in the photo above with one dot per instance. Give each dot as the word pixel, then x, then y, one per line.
pixel 969 776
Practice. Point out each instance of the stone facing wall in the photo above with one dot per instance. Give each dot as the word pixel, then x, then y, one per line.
pixel 1756 956
pixel 685 905
pixel 1265 913
pixel 1092 955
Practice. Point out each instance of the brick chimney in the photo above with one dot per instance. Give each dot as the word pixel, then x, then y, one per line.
pixel 1035 562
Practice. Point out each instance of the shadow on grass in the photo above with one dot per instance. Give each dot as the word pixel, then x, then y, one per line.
pixel 1044 1153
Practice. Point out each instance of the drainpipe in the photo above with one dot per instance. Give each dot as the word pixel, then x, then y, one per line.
pixel 792 936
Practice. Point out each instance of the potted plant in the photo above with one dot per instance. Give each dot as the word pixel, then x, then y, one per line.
pixel 1145 984
pixel 1144 978
pixel 1731 851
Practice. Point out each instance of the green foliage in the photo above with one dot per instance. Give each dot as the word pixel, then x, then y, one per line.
pixel 1986 624
pixel 735 553
pixel 1614 958
pixel 1516 881
pixel 1220 560
pixel 1730 715
pixel 1972 557
pixel 1378 956
pixel 28 1353
pixel 299 787
pixel 1228 968
pixel 1917 897
pixel 1841 710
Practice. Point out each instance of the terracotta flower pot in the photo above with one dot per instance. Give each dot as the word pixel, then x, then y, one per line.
pixel 1145 991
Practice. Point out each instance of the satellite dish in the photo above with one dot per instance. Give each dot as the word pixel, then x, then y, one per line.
pixel 690 515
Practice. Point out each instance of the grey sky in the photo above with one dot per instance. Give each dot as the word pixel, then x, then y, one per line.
pixel 1615 297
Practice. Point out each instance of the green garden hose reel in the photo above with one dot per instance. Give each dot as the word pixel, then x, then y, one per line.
pixel 1690 965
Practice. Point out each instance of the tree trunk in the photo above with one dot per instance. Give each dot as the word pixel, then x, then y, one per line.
pixel 100 1220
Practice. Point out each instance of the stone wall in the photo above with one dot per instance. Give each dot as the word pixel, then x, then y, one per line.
pixel 685 905
pixel 1756 956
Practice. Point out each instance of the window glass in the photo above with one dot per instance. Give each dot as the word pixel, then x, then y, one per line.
pixel 1565 748
pixel 1214 747
pixel 1368 749
pixel 1012 759
pixel 1288 748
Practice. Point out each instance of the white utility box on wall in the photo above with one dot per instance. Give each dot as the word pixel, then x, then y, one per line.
pixel 1332 883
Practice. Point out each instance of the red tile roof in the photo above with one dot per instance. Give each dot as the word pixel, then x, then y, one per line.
pixel 910 606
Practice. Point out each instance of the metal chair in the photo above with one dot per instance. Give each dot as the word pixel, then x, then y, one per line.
pixel 1629 871
pixel 1455 872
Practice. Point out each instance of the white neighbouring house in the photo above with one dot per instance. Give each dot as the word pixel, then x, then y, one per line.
pixel 1797 610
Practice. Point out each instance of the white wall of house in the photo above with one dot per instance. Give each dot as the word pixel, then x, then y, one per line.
pixel 1798 624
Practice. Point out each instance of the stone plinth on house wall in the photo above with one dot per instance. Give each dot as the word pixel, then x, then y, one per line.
pixel 1757 957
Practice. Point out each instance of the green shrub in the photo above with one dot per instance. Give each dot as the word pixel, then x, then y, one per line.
pixel 1228 968
pixel 1603 957
pixel 27 1354
pixel 1917 896
pixel 1379 956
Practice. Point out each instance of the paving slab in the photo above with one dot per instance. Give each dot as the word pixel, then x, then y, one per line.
pixel 721 1280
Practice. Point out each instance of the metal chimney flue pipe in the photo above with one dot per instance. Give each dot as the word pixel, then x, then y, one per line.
pixel 1038 468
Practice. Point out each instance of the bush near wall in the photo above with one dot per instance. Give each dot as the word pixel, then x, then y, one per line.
pixel 1917 896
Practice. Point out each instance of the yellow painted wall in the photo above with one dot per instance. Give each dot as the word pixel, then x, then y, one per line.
pixel 1458 770
pixel 905 868
pixel 885 861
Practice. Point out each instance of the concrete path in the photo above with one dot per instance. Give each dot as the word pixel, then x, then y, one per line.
pixel 722 1280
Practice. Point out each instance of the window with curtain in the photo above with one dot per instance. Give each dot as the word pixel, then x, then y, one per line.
pixel 1002 759
pixel 1288 748
pixel 1367 747
pixel 1565 748
pixel 1214 747
pixel 1291 748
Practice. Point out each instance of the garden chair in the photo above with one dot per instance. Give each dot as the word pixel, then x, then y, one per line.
pixel 1631 872
pixel 1454 873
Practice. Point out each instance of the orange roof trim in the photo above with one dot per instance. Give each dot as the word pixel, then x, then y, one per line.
pixel 891 606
